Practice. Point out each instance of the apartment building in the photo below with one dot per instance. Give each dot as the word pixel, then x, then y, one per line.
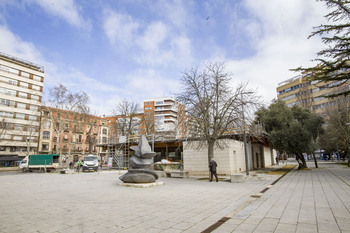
pixel 165 117
pixel 21 88
pixel 121 126
pixel 308 94
pixel 71 134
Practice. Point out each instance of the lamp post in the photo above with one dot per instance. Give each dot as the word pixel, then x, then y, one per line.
pixel 69 154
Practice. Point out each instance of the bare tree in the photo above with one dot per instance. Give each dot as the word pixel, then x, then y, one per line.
pixel 212 106
pixel 30 134
pixel 91 127
pixel 61 98
pixel 128 120
pixel 4 127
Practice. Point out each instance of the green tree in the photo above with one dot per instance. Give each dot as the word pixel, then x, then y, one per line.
pixel 291 130
pixel 333 61
pixel 337 130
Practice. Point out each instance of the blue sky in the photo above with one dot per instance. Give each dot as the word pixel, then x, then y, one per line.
pixel 138 49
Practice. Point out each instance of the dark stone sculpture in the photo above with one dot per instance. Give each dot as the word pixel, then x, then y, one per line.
pixel 139 171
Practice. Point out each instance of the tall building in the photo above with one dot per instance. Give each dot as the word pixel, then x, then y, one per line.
pixel 308 94
pixel 164 117
pixel 21 88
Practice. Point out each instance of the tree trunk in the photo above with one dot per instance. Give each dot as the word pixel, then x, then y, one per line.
pixel 301 161
pixel 316 165
pixel 210 153
pixel 210 150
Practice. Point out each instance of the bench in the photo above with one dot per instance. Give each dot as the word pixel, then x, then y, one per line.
pixel 237 178
pixel 182 174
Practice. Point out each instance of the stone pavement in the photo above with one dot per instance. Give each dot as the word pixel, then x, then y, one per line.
pixel 313 200
pixel 316 200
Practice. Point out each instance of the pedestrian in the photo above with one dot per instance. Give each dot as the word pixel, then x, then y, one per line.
pixel 277 159
pixel 212 169
pixel 78 166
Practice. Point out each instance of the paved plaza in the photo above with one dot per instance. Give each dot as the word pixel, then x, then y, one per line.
pixel 315 200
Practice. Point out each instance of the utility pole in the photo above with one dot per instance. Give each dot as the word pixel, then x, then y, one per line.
pixel 245 142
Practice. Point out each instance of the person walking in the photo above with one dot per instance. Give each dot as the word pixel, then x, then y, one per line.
pixel 78 164
pixel 212 169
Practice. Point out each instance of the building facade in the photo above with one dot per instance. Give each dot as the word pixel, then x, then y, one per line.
pixel 165 117
pixel 21 88
pixel 71 134
pixel 308 94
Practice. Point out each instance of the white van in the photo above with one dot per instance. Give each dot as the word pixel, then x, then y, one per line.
pixel 90 163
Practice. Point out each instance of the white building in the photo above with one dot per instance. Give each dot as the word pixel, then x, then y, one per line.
pixel 21 88
pixel 230 159
pixel 167 115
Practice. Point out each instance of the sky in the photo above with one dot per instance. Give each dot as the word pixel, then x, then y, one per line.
pixel 138 49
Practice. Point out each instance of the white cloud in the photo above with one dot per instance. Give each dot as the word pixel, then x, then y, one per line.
pixel 13 45
pixel 282 28
pixel 119 28
pixel 148 83
pixel 65 9
pixel 154 35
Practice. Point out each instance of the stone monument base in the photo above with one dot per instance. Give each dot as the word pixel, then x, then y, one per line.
pixel 141 185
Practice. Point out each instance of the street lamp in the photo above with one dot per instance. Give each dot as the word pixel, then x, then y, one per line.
pixel 69 154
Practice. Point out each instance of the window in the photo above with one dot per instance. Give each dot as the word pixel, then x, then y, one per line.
pixel 35 97
pixel 6 114
pixel 148 103
pixel 17 138
pixel 104 140
pixel 45 147
pixel 66 127
pixel 20 116
pixel 6 91
pixel 34 107
pixel 104 131
pixel 22 94
pixel 12 82
pixel 21 105
pixel 37 78
pixel 159 102
pixel 30 139
pixel 25 74
pixel 35 87
pixel 33 118
pixel 9 69
pixel 31 128
pixel 23 84
pixel 19 127
pixel 8 103
pixel 46 134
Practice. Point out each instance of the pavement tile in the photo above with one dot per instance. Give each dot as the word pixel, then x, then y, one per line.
pixel 284 227
pixel 316 200
pixel 306 228
pixel 267 225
